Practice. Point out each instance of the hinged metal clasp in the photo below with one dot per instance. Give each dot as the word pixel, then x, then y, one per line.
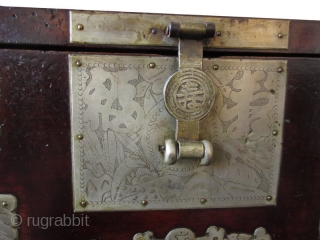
pixel 189 94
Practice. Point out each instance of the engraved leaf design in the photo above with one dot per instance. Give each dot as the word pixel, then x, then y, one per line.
pixel 116 105
pixel 127 142
pixel 109 144
pixel 119 150
pixel 96 187
pixel 108 84
pixel 94 151
pixel 246 96
pixel 121 173
pixel 141 84
pixel 92 91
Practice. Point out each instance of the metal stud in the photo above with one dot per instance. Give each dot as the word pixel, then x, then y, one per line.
pixel 203 200
pixel 152 65
pixel 280 70
pixel 162 148
pixel 79 136
pixel 218 33
pixel 144 202
pixel 280 35
pixel 4 204
pixel 215 67
pixel 153 31
pixel 269 198
pixel 78 63
pixel 275 132
pixel 83 203
pixel 80 27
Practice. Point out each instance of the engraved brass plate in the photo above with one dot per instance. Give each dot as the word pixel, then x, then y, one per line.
pixel 119 120
pixel 148 30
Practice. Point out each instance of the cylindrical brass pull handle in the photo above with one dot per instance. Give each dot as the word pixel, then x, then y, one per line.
pixel 174 150
pixel 186 30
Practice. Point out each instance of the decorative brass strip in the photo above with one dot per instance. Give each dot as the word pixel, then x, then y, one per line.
pixel 9 220
pixel 133 29
pixel 213 232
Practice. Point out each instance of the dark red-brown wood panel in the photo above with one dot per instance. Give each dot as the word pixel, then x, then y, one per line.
pixel 35 159
pixel 27 26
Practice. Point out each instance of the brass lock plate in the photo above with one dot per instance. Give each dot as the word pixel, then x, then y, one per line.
pixel 119 120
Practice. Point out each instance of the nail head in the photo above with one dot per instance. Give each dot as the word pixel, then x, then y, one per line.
pixel 203 200
pixel 152 65
pixel 78 63
pixel 80 136
pixel 162 148
pixel 83 203
pixel 144 202
pixel 80 27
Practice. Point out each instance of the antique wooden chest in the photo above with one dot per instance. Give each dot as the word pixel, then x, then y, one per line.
pixel 148 126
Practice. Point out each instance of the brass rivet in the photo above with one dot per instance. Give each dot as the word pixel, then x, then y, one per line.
pixel 280 69
pixel 269 198
pixel 4 204
pixel 274 132
pixel 272 91
pixel 78 63
pixel 152 65
pixel 203 200
pixel 80 136
pixel 80 27
pixel 162 148
pixel 83 203
pixel 215 67
pixel 280 35
pixel 153 31
pixel 218 33
pixel 144 202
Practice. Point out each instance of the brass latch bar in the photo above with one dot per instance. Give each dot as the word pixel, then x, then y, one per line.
pixel 189 94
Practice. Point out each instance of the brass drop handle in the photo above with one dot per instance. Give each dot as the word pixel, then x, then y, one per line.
pixel 174 150
pixel 189 94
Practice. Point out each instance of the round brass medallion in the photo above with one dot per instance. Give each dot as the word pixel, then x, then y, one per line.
pixel 189 94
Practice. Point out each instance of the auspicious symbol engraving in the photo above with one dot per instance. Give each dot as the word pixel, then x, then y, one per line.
pixel 189 94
